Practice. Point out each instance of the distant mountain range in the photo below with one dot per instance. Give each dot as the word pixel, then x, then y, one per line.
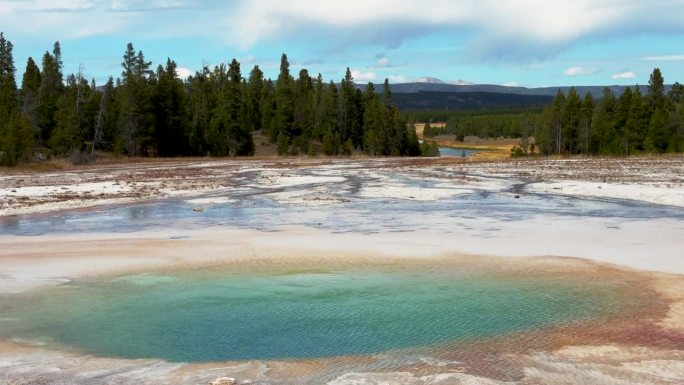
pixel 433 94
pixel 436 85
pixel 429 80
pixel 434 100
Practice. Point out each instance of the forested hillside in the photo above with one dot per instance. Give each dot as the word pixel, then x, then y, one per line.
pixel 152 112
pixel 489 123
pixel 630 124
pixel 548 92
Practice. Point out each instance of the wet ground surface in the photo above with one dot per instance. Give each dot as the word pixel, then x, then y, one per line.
pixel 351 200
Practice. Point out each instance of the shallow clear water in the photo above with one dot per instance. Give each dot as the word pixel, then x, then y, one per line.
pixel 218 315
pixel 462 152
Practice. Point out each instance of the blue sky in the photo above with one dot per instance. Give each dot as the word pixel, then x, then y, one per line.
pixel 530 43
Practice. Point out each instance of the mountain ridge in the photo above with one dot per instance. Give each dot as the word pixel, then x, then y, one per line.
pixel 596 91
pixel 436 100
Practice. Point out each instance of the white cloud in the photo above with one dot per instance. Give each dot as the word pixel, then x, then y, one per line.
pixel 624 75
pixel 497 26
pixel 73 19
pixel 260 19
pixel 511 84
pixel 665 58
pixel 62 15
pixel 360 76
pixel 580 71
pixel 573 71
pixel 525 28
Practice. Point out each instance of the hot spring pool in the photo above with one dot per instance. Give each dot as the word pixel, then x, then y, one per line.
pixel 219 315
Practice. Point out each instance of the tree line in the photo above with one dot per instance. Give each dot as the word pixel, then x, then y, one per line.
pixel 484 124
pixel 214 112
pixel 629 124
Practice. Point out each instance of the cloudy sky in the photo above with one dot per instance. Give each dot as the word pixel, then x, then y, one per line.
pixel 523 42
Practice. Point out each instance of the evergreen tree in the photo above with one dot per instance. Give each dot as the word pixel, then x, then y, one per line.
pixel 402 133
pixel 413 143
pixel 284 120
pixel 676 94
pixel 677 129
pixel 57 56
pixel 636 124
pixel 387 94
pixel 550 136
pixel 331 143
pixel 318 109
pixel 256 93
pixel 393 139
pixel 239 134
pixel 201 96
pixel 228 134
pixel 30 87
pixel 656 89
pixel 384 134
pixel 374 118
pixel 585 136
pixel 282 144
pixel 16 139
pixel 303 113
pixel 136 116
pixel 657 140
pixel 620 142
pixel 572 118
pixel 170 105
pixel 268 110
pixel 217 136
pixel 64 136
pixel 604 122
pixel 330 124
pixel 51 88
pixel 8 85
pixel 74 120
pixel 349 114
